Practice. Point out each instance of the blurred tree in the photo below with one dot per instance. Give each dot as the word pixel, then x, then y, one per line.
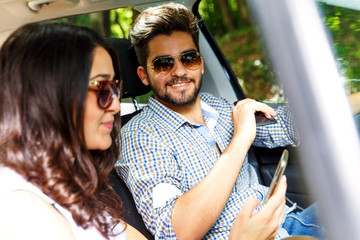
pixel 241 47
pixel 243 13
pixel 121 20
pixel 81 20
pixel 344 26
pixel 226 14
pixel 100 22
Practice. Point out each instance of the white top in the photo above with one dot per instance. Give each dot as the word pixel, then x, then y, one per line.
pixel 11 181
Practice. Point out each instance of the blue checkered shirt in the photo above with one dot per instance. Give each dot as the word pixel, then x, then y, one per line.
pixel 162 148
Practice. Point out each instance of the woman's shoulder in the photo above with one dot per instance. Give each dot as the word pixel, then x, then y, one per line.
pixel 26 211
pixel 25 215
pixel 30 214
pixel 11 181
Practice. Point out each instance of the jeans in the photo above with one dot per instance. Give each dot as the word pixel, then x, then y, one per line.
pixel 304 223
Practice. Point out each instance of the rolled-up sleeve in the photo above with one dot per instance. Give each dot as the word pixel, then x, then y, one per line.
pixel 283 133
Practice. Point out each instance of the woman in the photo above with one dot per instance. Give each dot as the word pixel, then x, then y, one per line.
pixel 59 121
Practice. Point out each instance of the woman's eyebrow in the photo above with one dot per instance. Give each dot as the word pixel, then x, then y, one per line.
pixel 103 76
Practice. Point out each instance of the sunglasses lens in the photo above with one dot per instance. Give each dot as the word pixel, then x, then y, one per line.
pixel 191 60
pixel 104 95
pixel 163 65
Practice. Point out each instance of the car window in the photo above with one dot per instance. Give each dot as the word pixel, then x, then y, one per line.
pixel 342 22
pixel 111 23
pixel 238 39
pixel 242 45
pixel 114 23
pixel 343 25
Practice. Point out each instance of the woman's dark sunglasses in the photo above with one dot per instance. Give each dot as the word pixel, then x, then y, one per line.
pixel 106 91
pixel 163 65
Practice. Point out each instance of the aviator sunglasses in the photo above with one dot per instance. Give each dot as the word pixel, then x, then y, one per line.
pixel 105 91
pixel 164 64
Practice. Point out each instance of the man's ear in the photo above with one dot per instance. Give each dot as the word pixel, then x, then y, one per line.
pixel 202 66
pixel 142 75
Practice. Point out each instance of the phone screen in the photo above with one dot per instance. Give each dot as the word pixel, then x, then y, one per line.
pixel 261 120
pixel 278 174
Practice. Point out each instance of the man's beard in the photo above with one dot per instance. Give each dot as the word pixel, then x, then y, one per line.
pixel 184 99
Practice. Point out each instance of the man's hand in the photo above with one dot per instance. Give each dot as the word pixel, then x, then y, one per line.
pixel 243 116
pixel 264 224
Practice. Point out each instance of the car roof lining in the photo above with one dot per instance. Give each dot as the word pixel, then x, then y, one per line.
pixel 20 13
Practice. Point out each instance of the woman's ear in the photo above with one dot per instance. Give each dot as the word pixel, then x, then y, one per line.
pixel 142 75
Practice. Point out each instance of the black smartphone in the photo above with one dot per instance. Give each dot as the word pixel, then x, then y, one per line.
pixel 278 174
pixel 261 120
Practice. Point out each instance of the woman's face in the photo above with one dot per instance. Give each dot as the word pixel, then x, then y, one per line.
pixel 98 123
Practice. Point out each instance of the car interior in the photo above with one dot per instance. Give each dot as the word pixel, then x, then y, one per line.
pixel 277 21
pixel 263 159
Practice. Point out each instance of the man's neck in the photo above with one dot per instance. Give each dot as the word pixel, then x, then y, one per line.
pixel 191 112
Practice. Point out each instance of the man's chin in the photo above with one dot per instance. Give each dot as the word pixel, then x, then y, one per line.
pixel 178 98
pixel 180 101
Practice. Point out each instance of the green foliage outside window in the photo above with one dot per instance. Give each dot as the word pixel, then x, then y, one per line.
pixel 344 26
pixel 243 49
pixel 121 20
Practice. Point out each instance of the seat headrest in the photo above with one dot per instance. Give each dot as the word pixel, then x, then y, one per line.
pixel 132 85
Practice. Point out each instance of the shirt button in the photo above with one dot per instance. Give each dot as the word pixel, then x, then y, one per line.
pixel 209 135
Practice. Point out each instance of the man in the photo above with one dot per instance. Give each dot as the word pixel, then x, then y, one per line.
pixel 184 157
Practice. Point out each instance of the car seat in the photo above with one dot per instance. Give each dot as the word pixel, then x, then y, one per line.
pixel 132 87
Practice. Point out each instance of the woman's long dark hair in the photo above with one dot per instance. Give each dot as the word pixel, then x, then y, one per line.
pixel 44 75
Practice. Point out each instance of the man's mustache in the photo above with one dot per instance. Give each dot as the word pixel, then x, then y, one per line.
pixel 181 79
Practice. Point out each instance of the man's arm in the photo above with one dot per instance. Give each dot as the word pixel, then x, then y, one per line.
pixel 281 134
pixel 196 211
pixel 189 215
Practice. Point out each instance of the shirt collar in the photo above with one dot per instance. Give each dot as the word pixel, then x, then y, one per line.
pixel 173 120
pixel 211 116
pixel 169 118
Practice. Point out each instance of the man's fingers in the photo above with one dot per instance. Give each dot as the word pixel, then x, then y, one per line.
pixel 281 188
pixel 249 206
pixel 255 106
pixel 244 101
pixel 278 198
pixel 281 219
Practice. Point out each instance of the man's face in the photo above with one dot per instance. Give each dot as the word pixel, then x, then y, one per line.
pixel 179 86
